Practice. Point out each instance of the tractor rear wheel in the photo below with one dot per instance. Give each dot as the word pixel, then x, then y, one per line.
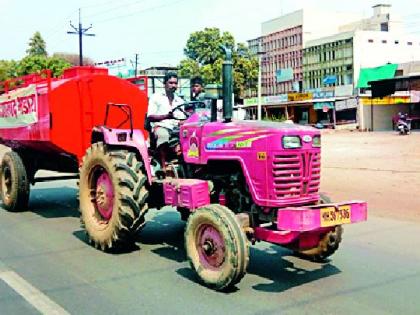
pixel 216 246
pixel 14 183
pixel 112 195
pixel 328 245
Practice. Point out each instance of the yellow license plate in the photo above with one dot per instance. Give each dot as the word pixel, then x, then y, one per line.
pixel 330 216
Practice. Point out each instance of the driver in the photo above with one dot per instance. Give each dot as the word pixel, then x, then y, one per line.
pixel 160 113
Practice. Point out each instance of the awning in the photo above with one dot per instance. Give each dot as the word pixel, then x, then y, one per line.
pixel 373 74
pixel 383 88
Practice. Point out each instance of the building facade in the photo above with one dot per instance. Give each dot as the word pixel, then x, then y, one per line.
pixel 328 62
pixel 283 40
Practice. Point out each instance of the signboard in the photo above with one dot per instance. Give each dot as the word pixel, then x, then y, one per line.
pixel 295 97
pixel 415 96
pixel 253 101
pixel 276 98
pixel 346 104
pixel 19 108
pixel 344 90
pixel 330 79
pixel 322 93
pixel 284 75
pixel 324 106
pixel 387 100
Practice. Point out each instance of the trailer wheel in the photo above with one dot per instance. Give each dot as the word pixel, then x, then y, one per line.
pixel 112 196
pixel 216 246
pixel 14 183
pixel 328 245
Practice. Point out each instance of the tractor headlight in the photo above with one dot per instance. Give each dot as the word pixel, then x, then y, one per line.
pixel 316 142
pixel 291 142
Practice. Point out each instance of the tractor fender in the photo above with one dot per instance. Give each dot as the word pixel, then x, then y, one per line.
pixel 122 138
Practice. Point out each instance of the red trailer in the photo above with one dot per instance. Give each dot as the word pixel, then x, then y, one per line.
pixel 48 122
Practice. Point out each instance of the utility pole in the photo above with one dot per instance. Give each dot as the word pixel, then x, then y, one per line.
pixel 135 64
pixel 80 31
pixel 260 54
pixel 135 71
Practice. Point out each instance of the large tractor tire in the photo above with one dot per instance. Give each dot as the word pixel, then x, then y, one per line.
pixel 216 246
pixel 14 183
pixel 328 243
pixel 112 196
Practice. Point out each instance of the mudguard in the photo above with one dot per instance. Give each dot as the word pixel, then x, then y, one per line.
pixel 123 137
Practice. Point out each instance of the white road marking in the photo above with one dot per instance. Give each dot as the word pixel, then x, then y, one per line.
pixel 31 294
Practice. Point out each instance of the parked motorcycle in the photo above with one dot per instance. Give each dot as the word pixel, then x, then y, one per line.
pixel 403 124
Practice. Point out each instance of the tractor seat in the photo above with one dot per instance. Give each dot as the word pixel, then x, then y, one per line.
pixel 152 138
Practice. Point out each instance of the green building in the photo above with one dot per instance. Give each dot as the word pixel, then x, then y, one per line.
pixel 328 61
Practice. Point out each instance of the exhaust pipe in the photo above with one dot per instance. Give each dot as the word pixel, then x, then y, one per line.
pixel 227 84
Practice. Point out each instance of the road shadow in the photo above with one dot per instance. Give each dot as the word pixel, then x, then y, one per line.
pixel 122 249
pixel 284 270
pixel 166 229
pixel 54 202
pixel 274 263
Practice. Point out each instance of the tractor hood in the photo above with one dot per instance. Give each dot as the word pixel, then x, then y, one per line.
pixel 272 126
pixel 245 135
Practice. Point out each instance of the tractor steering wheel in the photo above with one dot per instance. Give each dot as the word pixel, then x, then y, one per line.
pixel 182 110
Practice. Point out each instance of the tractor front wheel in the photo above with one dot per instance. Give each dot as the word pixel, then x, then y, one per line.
pixel 14 183
pixel 216 246
pixel 112 195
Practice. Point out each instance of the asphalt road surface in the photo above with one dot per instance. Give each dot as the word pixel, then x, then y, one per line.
pixel 46 266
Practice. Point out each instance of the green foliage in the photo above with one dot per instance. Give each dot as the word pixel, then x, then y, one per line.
pixel 37 46
pixel 205 58
pixel 8 69
pixel 203 46
pixel 73 59
pixel 275 118
pixel 189 68
pixel 34 64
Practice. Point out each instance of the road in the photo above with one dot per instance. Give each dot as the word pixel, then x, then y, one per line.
pixel 46 265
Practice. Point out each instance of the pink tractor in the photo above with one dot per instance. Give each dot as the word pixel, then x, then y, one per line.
pixel 235 182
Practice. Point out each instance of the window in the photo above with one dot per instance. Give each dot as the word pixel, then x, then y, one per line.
pixel 396 42
pixel 384 41
pixel 384 27
pixel 370 40
pixel 409 43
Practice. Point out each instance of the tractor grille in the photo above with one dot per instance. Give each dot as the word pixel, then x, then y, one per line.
pixel 296 175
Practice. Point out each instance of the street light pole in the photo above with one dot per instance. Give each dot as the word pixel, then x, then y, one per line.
pixel 259 88
pixel 260 53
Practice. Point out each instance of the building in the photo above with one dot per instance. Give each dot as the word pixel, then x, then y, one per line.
pixel 283 40
pixel 254 45
pixel 382 20
pixel 336 60
pixel 155 80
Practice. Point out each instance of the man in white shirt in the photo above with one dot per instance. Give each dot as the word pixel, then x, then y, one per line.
pixel 160 113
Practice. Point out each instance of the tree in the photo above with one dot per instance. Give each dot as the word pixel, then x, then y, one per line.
pixel 36 63
pixel 73 59
pixel 37 46
pixel 204 46
pixel 8 69
pixel 205 58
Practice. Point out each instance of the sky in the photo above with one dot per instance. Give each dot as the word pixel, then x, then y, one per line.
pixel 155 29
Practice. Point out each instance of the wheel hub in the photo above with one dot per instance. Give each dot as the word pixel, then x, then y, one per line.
pixel 208 247
pixel 211 247
pixel 104 195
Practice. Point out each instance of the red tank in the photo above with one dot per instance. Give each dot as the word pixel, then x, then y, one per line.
pixel 44 115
